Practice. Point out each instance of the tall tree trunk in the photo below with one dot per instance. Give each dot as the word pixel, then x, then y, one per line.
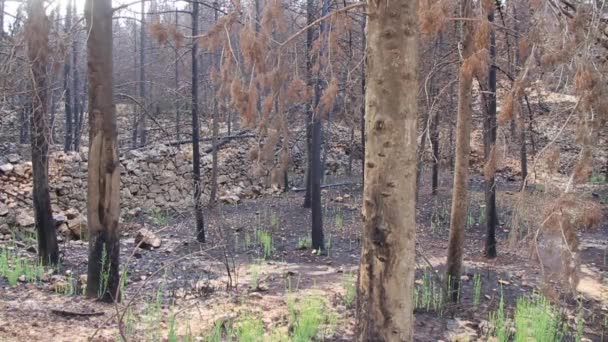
pixel 434 131
pixel 523 153
pixel 310 17
pixel 37 49
pixel 461 168
pixel 80 118
pixel 24 118
pixel 76 112
pixel 67 142
pixel 142 78
pixel 196 152
pixel 176 103
pixel 1 19
pixel 103 193
pixel 489 144
pixel 53 108
pixel 316 167
pixel 215 128
pixel 136 115
pixel 363 95
pixel 385 309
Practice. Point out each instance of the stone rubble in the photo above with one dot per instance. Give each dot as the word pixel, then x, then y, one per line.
pixel 158 177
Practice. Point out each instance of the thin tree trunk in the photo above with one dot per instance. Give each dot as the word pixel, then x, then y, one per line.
pixel 135 131
pixel 76 112
pixel 37 35
pixel 103 192
pixel 142 78
pixel 310 8
pixel 385 310
pixel 53 109
pixel 489 144
pixel 196 153
pixel 177 111
pixel 67 142
pixel 1 19
pixel 23 121
pixel 81 106
pixel 363 95
pixel 316 169
pixel 461 168
pixel 215 128
pixel 434 132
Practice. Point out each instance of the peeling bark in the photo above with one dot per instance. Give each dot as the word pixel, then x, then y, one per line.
pixel 38 50
pixel 103 193
pixel 386 272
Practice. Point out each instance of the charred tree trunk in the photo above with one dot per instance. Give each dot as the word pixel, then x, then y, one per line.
pixel 67 142
pixel 76 104
pixel 489 130
pixel 37 49
pixel 363 94
pixel 461 168
pixel 196 152
pixel 215 128
pixel 434 134
pixel 310 8
pixel 1 19
pixel 135 131
pixel 80 118
pixel 176 103
pixel 141 127
pixel 24 118
pixel 385 310
pixel 523 153
pixel 316 167
pixel 103 193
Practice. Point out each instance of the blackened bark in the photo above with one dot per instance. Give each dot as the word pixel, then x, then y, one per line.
pixel 103 191
pixel 434 132
pixel 37 43
pixel 177 111
pixel 310 17
pixel 24 118
pixel 215 128
pixel 316 169
pixel 142 78
pixel 67 142
pixel 489 144
pixel 363 91
pixel 196 153
pixel 76 104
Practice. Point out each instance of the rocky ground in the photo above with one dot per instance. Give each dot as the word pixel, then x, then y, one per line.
pixel 191 279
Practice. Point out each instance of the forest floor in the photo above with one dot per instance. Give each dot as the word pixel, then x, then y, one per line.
pixel 276 283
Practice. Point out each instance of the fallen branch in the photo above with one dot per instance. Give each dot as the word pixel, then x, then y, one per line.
pixel 227 139
pixel 240 135
pixel 66 313
pixel 325 186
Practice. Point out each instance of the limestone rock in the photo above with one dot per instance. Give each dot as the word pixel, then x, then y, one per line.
pixel 147 239
pixel 24 219
pixel 7 168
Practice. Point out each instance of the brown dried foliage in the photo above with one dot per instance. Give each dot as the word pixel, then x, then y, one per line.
pixel 297 91
pixel 327 99
pixel 160 32
pixel 431 16
pixel 507 110
pixel 489 169
pixel 583 167
pixel 552 159
pixel 482 34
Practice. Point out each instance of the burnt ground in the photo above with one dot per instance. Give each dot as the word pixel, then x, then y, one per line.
pixel 230 274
